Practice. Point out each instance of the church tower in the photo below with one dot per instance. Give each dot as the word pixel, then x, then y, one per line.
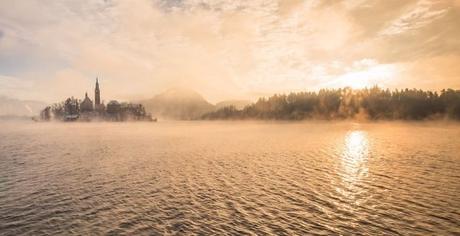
pixel 97 95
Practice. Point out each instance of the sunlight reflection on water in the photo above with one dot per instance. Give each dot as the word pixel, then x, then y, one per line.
pixel 354 162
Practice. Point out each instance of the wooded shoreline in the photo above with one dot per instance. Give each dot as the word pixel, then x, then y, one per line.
pixel 345 103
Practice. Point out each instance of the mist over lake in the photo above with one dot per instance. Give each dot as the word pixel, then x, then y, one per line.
pixel 209 177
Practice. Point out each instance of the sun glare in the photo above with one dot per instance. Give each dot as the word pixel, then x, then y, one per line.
pixel 375 75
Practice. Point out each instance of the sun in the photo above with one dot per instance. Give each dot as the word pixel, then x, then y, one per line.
pixel 378 75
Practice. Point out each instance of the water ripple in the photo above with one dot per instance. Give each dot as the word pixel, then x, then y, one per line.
pixel 229 178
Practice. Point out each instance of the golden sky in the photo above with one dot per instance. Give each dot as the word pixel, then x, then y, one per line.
pixel 225 48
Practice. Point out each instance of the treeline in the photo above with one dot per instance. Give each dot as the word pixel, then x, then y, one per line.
pixel 374 103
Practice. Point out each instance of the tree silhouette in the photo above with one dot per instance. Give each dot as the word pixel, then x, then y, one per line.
pixel 344 103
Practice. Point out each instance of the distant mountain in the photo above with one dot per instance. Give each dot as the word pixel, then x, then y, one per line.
pixel 178 103
pixel 16 107
pixel 238 104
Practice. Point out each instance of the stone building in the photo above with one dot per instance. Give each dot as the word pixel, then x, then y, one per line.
pixel 86 105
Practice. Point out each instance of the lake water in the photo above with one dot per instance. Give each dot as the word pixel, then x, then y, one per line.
pixel 321 178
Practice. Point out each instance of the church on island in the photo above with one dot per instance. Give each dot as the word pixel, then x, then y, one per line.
pixel 73 109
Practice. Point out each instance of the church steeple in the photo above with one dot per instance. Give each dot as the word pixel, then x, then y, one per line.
pixel 97 94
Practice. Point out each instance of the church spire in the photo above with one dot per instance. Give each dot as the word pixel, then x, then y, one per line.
pixel 97 94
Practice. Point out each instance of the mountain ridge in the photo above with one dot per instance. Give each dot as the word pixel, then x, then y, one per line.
pixel 16 107
pixel 185 104
pixel 178 104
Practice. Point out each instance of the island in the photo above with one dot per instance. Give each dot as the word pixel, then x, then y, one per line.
pixel 73 109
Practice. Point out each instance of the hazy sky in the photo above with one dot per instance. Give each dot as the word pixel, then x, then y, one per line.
pixel 225 48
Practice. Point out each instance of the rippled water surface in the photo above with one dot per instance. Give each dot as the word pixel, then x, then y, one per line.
pixel 230 178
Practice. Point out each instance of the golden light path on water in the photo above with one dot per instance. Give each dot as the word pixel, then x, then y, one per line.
pixel 354 159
